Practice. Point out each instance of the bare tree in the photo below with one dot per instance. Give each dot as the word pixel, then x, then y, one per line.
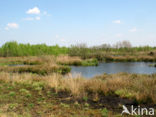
pixel 123 44
pixel 105 46
pixel 126 44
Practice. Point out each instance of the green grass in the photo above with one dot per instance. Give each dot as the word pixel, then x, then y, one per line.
pixel 86 62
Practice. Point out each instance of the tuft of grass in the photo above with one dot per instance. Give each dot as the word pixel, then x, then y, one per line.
pixel 65 105
pixel 12 94
pixel 104 112
pixel 124 93
pixel 25 92
pixel 85 98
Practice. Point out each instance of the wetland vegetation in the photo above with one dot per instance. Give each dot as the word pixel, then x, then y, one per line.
pixel 121 51
pixel 53 95
pixel 35 80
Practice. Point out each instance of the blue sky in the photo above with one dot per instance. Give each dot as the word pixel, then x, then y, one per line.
pixel 67 22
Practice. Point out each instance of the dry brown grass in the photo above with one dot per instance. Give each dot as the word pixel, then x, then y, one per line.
pixel 67 60
pixel 75 85
pixel 31 60
pixel 130 58
pixel 139 87
pixel 39 65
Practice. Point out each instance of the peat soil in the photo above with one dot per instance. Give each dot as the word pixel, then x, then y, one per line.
pixel 111 102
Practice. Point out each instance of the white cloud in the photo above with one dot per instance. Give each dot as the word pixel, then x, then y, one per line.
pixel 117 21
pixel 133 29
pixel 11 26
pixel 34 10
pixel 37 18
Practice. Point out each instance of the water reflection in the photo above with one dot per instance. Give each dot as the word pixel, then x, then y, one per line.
pixel 114 67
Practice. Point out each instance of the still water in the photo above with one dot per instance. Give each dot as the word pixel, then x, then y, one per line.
pixel 113 67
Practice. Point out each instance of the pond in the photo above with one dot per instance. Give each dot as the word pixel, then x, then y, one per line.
pixel 113 67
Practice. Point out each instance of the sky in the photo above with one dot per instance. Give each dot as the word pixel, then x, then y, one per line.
pixel 70 22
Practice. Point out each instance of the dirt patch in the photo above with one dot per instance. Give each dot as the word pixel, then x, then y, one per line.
pixel 111 102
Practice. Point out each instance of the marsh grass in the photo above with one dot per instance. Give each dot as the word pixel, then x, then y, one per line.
pixel 42 65
pixel 133 86
pixel 33 95
pixel 76 61
pixel 38 93
pixel 38 88
pixel 67 60
pixel 138 87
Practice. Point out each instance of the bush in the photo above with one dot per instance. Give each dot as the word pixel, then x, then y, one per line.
pixel 90 62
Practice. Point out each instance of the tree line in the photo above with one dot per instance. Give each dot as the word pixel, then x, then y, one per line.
pixel 17 49
pixel 14 49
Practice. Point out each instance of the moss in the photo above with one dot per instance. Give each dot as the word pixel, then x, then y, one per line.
pixel 124 93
